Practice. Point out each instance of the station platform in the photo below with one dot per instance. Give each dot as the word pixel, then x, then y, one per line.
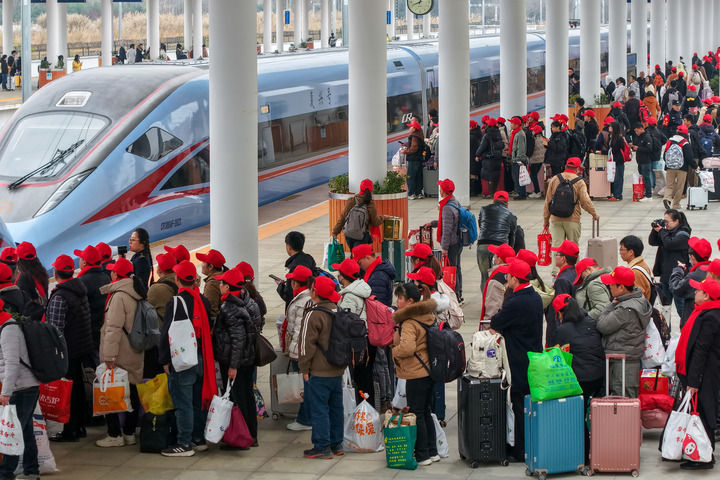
pixel 280 452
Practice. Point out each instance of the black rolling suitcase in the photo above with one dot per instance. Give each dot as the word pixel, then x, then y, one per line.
pixel 716 177
pixel 157 432
pixel 481 420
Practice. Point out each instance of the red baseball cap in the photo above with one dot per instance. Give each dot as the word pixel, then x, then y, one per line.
pixel 617 105
pixel 536 129
pixel 212 257
pixel 709 286
pixel 581 266
pixel 701 246
pixel 414 125
pixel 325 288
pixel 246 270
pixel 362 251
pixel 692 87
pixel 715 99
pixel 185 271
pixel 534 115
pixel 504 251
pixel 652 121
pixel 707 101
pixel 501 120
pixel 367 185
pixel 608 120
pixel 568 248
pixel 104 250
pixel 560 302
pixel 516 120
pixel 517 268
pixel 233 277
pixel 473 124
pixel 620 276
pixel 527 256
pixel 9 255
pixel 424 275
pixel 447 185
pixel 682 128
pixel 26 251
pixel 695 67
pixel 588 113
pixel 64 263
pixel 712 267
pixel 501 195
pixel 5 273
pixel 122 267
pixel 180 253
pixel 573 162
pixel 707 118
pixel 485 118
pixel 165 261
pixel 90 255
pixel 300 273
pixel 556 117
pixel 348 267
pixel 492 122
pixel 420 250
pixel 674 69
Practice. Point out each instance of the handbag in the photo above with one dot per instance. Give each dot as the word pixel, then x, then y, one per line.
pixel 335 253
pixel 674 434
pixel 611 167
pixel 155 396
pixel 289 387
pixel 111 391
pixel 218 416
pixel 264 350
pixel 55 400
pixel 237 433
pixel 524 176
pixel 544 244
pixel 551 376
pixel 449 273
pixel 400 442
pixel 349 401
pixel 182 339
pixel 696 444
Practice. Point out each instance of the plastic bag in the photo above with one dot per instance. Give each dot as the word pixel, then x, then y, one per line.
pixel 218 417
pixel 544 244
pixel 54 400
pixel 399 401
pixel 440 439
pixel 290 388
pixel 181 336
pixel 335 253
pixel 668 365
pixel 696 444
pixel 654 353
pixel 155 396
pixel 46 459
pixel 11 435
pixel 399 159
pixel 260 409
pixel 111 391
pixel 550 375
pixel 707 180
pixel 610 169
pixel 349 402
pixel 509 422
pixel 237 433
pixel 449 273
pixel 400 443
pixel 674 435
pixel 363 430
pixel 524 176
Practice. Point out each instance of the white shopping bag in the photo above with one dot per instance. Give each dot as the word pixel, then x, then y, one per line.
pixel 707 180
pixel 289 387
pixel 46 459
pixel 181 336
pixel 674 435
pixel 509 421
pixel 610 169
pixel 11 435
pixel 349 402
pixel 524 176
pixel 111 391
pixel 399 401
pixel 441 439
pixel 654 353
pixel 399 159
pixel 696 444
pixel 363 430
pixel 218 417
pixel 668 365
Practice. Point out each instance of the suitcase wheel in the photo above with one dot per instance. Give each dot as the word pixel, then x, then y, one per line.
pixel 635 473
pixel 705 207
pixel 528 472
pixel 474 464
pixel 275 417
pixel 589 472
pixel 542 476
pixel 504 462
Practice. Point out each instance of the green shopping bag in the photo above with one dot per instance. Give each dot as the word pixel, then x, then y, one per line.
pixel 551 376
pixel 400 444
pixel 335 254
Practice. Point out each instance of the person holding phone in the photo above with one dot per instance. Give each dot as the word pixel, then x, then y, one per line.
pixel 413 150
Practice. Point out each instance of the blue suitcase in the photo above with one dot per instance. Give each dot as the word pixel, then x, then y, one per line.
pixel 554 436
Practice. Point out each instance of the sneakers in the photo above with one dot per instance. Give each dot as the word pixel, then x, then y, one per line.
pixel 326 454
pixel 425 462
pixel 666 204
pixel 199 446
pixel 613 199
pixel 129 439
pixel 178 451
pixel 645 199
pixel 298 427
pixel 337 450
pixel 109 441
pixel 29 476
pixel 435 458
pixel 535 195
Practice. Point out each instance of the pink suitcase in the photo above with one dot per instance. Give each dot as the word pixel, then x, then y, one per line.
pixel 599 186
pixel 615 430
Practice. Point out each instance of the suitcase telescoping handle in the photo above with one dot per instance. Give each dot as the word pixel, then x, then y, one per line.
pixel 595 228
pixel 608 356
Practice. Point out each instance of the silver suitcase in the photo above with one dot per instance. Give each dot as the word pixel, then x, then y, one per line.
pixel 603 249
pixel 697 197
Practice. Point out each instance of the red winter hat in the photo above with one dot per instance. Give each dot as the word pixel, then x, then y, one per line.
pixel 104 250
pixel 652 121
pixel 573 162
pixel 5 273
pixel 707 118
pixel 701 246
pixel 527 256
pixel 568 248
pixel 709 286
pixel 185 271
pixel 581 266
pixel 447 185
pixel 712 267
pixel 560 302
pixel 122 267
pixel 501 195
pixel 362 251
pixel 212 257
pixel 233 277
pixel 517 268
pixel 424 275
pixel 619 276
pixel 505 252
pixel 588 113
pixel 682 129
pixel 9 255
pixel 180 253
pixel 246 270
pixel 26 251
pixel 473 124
pixel 414 125
pixel 325 288
pixel 492 123
pixel 301 273
pixel 420 250
pixel 366 185
pixel 608 120
pixel 348 267
pixel 90 255
pixel 165 261
pixel 64 263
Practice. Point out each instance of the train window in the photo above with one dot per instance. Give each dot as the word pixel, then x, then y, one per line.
pixel 194 172
pixel 154 144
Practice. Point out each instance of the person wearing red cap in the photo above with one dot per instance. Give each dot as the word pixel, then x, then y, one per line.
pixel 517 148
pixel 489 156
pixel 377 273
pixel 622 325
pixel 15 300
pixel 32 277
pixel 142 260
pixel 93 276
pixel 708 138
pixel 590 292
pixel 164 288
pixel 124 292
pixel 476 136
pixel 536 156
pixel 69 311
pixel 323 380
pixel 448 226
pixel 10 258
pixel 105 252
pixel 713 269
pixel 422 255
pixel 191 390
pixel 294 244
pixel 557 148
pixel 359 219
pixel 494 288
pixel 679 159
pixel 413 150
pixel 496 225
pixel 545 291
pixel 631 250
pixel 213 264
pixel 697 359
pixel 699 254
pixel 645 153
pixel 566 257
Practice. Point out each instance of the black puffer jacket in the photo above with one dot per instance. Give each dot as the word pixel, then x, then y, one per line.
pixel 585 345
pixel 490 153
pixel 142 266
pixel 78 333
pixel 672 248
pixel 381 282
pixel 680 286
pixel 557 151
pixel 252 308
pixel 14 299
pixel 234 335
pixel 496 225
pixel 93 279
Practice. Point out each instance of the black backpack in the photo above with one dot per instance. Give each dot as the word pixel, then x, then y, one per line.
pixel 563 201
pixel 145 333
pixel 47 350
pixel 576 143
pixel 529 142
pixel 446 353
pixel 348 339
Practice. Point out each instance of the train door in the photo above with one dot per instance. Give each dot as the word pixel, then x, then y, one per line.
pixel 266 148
pixel 431 88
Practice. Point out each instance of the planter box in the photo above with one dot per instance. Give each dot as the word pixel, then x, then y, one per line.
pixel 391 204
pixel 601 111
pixel 52 74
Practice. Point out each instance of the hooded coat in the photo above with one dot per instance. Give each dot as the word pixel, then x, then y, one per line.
pixel 411 339
pixel 623 325
pixel 381 282
pixel 592 295
pixel 353 297
pixel 119 317
pixel 294 313
pixel 585 345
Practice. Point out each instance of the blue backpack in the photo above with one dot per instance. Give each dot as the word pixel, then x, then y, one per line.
pixel 467 226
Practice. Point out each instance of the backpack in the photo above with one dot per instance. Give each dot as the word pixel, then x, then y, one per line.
pixel 706 142
pixel 576 143
pixel 356 222
pixel 626 152
pixel 653 287
pixel 488 356
pixel 672 96
pixel 47 350
pixel 530 143
pixel 696 78
pixel 347 345
pixel 380 324
pixel 519 243
pixel 319 272
pixel 454 315
pixel 467 226
pixel 563 202
pixel 674 159
pixel 446 353
pixel 145 332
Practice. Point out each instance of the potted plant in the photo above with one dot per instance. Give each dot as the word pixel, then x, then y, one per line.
pixel 601 105
pixel 388 195
pixel 310 43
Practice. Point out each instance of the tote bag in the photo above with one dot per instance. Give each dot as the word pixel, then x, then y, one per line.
pixel 182 339
pixel 674 434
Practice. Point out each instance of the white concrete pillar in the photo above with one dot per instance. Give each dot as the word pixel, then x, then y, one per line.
pixel 198 29
pixel 324 23
pixel 53 35
pixel 153 14
pixel 390 28
pixel 657 35
pixel 62 31
pixel 556 60
pixel 187 24
pixel 707 16
pixel 107 33
pixel 267 26
pixel 280 24
pixel 674 35
pixel 233 102
pixel 427 25
pixel 513 58
pixel 8 11
pixel 305 11
pixel 693 30
pixel 367 93
pixel 454 72
pixel 410 22
pixel 716 31
pixel 297 16
pixel 638 35
pixel 589 50
pixel 617 43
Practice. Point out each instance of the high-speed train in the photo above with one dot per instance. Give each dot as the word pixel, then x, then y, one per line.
pixel 95 154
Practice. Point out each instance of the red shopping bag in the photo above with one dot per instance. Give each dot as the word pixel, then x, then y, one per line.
pixel 449 273
pixel 55 400
pixel 638 189
pixel 237 433
pixel 544 244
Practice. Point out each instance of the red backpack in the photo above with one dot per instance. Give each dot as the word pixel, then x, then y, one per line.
pixel 380 323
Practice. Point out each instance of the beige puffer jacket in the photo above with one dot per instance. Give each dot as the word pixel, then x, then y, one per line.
pixel 294 313
pixel 119 318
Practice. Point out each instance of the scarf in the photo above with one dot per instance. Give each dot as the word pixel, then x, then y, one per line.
pixel 512 138
pixel 563 269
pixel 6 285
pixel 521 286
pixel 482 310
pixel 681 351
pixel 371 268
pixel 201 324
pixel 298 291
pixel 699 264
pixel 225 296
pixel 440 210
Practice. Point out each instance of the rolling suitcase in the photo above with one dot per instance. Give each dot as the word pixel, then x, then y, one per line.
pixel 597 160
pixel 615 430
pixel 599 185
pixel 603 250
pixel 716 176
pixel 394 252
pixel 430 179
pixel 280 365
pixel 481 420
pixel 697 197
pixel 554 436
